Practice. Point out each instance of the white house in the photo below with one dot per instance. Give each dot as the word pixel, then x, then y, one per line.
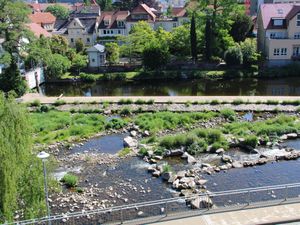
pixel 96 55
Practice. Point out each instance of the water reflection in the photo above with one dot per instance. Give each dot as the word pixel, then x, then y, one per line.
pixel 245 86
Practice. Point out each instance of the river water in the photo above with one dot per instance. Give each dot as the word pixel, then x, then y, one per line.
pixel 219 87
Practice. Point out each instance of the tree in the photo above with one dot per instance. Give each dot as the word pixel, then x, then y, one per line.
pixel 59 11
pixel 139 36
pixel 249 51
pixel 105 5
pixel 193 37
pixel 234 56
pixel 112 53
pixel 13 16
pixel 21 183
pixel 155 56
pixel 180 41
pixel 57 65
pixel 79 62
pixel 241 27
pixel 169 11
pixel 59 44
pixel 79 45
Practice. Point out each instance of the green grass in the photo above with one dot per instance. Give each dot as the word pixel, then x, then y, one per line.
pixel 228 114
pixel 167 168
pixel 54 126
pixel 158 121
pixel 70 180
pixel 124 152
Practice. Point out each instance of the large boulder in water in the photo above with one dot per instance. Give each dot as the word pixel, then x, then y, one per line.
pixel 130 142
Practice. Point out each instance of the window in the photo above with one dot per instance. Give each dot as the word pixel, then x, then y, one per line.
pixel 93 60
pixel 120 23
pixel 104 31
pixel 88 40
pixel 119 31
pixel 297 36
pixel 174 24
pixel 277 22
pixel 106 22
pixel 74 24
pixel 296 51
pixel 272 35
pixel 276 51
pixel 283 51
pixel 111 31
pixel 72 40
pixel 298 20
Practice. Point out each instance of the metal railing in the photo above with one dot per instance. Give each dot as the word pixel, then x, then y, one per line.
pixel 178 207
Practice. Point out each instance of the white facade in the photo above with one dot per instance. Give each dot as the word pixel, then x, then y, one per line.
pixel 96 55
pixel 34 77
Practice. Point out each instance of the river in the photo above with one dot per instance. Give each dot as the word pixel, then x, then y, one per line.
pixel 184 87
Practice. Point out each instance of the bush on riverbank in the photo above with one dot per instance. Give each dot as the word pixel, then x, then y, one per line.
pixel 70 180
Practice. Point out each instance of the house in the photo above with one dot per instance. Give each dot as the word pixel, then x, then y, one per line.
pixel 112 24
pixel 96 55
pixel 37 30
pixel 279 33
pixel 45 19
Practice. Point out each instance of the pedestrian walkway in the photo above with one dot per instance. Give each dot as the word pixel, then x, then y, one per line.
pixel 158 99
pixel 266 215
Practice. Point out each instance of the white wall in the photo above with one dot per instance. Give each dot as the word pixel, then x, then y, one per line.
pixel 30 77
pixel 96 59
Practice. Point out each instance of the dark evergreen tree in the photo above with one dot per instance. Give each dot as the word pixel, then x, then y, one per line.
pixel 193 37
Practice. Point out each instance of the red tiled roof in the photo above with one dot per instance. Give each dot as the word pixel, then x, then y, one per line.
pixel 179 12
pixel 142 8
pixel 38 30
pixel 42 18
pixel 113 16
pixel 269 11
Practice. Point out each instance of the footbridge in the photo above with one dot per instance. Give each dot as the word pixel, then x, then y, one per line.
pixel 261 205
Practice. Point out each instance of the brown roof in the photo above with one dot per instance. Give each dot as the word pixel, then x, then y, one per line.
pixel 38 30
pixel 143 8
pixel 113 17
pixel 179 12
pixel 42 18
pixel 295 10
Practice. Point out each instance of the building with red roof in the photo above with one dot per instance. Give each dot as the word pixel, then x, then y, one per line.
pixel 279 32
pixel 45 19
pixel 38 30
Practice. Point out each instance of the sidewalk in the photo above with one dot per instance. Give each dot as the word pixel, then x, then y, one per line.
pixel 158 99
pixel 265 215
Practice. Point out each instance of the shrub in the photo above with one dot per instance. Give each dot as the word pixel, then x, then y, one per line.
pixel 36 102
pixel 251 140
pixel 140 102
pixel 272 102
pixel 150 102
pixel 197 148
pixel 214 102
pixel 188 103
pixel 124 152
pixel 79 190
pixel 159 151
pixel 87 77
pixel 143 151
pixel 228 114
pixel 125 111
pixel 125 101
pixel 237 102
pixel 70 180
pixel 249 52
pixel 166 168
pixel 169 102
pixel 233 56
pixel 59 102
pixel 44 108
pixel 116 123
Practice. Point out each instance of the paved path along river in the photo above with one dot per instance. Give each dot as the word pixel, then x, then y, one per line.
pixel 266 215
pixel 158 99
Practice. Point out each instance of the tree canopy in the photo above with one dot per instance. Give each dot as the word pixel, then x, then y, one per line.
pixel 59 11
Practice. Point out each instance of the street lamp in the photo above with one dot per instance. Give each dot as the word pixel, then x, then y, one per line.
pixel 43 156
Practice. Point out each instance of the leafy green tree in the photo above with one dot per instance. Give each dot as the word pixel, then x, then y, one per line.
pixel 233 56
pixel 13 16
pixel 163 37
pixel 249 51
pixel 193 37
pixel 180 41
pixel 79 62
pixel 79 45
pixel 58 11
pixel 138 38
pixel 57 65
pixel 169 11
pixel 155 56
pixel 112 53
pixel 105 5
pixel 59 44
pixel 241 26
pixel 21 183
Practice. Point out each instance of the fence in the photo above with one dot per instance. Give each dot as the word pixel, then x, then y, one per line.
pixel 178 207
